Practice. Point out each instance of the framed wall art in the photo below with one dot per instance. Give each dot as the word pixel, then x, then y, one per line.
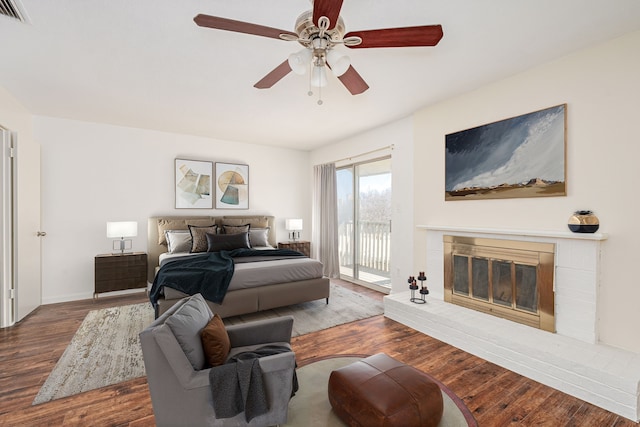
pixel 193 184
pixel 232 186
pixel 524 156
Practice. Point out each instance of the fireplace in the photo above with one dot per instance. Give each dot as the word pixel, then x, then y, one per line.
pixel 506 278
pixel 571 360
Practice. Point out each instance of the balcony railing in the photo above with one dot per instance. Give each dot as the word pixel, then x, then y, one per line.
pixel 374 243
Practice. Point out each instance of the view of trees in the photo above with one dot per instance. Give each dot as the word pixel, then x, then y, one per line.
pixel 375 205
pixel 374 198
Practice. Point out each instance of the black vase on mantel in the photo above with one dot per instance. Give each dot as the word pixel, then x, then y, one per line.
pixel 584 222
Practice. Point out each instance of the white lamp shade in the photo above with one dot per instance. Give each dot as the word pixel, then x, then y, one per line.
pixel 122 229
pixel 299 61
pixel 339 63
pixel 318 76
pixel 294 224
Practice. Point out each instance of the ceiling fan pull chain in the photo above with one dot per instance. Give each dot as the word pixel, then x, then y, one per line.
pixel 310 93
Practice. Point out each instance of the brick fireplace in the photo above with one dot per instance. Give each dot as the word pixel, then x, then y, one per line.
pixel 570 360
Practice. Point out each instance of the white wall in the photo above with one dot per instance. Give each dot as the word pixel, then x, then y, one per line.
pixel 601 87
pixel 94 173
pixel 400 134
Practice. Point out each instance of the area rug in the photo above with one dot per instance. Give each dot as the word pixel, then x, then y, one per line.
pixel 344 306
pixel 106 349
pixel 310 406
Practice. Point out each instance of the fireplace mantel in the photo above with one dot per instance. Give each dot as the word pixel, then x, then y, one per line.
pixel 511 232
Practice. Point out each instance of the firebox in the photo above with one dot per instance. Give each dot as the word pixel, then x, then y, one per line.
pixel 506 278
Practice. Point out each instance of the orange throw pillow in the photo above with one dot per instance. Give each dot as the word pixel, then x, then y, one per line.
pixel 215 341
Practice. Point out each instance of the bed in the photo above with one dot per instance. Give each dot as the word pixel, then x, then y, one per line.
pixel 254 286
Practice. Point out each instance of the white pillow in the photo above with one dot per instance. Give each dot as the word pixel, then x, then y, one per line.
pixel 178 241
pixel 259 237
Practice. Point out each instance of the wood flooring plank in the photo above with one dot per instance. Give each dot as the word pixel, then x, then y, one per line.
pixel 496 396
pixel 589 413
pixel 554 409
pixel 513 408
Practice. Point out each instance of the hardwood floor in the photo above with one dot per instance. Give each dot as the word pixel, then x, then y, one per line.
pixel 496 396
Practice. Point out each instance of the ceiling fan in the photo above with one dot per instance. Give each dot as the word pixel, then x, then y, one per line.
pixel 319 31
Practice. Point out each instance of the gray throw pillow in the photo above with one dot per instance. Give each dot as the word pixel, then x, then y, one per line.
pixel 259 237
pixel 235 229
pixel 178 241
pixel 186 324
pixel 227 242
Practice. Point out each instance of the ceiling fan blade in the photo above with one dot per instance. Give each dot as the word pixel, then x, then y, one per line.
pixel 274 76
pixel 328 8
pixel 239 26
pixel 425 35
pixel 353 81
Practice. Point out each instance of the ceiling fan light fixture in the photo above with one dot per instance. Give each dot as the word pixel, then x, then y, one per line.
pixel 299 61
pixel 318 76
pixel 339 63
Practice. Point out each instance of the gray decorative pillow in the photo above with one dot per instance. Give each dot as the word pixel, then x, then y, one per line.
pixel 199 237
pixel 235 229
pixel 186 324
pixel 178 241
pixel 259 237
pixel 227 242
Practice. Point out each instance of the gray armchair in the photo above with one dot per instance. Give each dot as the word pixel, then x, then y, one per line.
pixel 181 393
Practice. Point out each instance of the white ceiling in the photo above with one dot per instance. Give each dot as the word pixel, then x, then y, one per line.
pixel 144 63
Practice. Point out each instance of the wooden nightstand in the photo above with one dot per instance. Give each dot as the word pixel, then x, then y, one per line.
pixel 298 245
pixel 117 272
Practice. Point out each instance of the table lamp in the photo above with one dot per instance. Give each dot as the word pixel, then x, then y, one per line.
pixel 294 226
pixel 122 229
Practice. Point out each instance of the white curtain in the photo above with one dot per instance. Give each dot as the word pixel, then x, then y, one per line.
pixel 325 219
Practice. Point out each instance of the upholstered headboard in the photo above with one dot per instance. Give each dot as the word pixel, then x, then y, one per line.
pixel 156 243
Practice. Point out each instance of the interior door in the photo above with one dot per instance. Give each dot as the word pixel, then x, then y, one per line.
pixel 27 226
pixel 20 256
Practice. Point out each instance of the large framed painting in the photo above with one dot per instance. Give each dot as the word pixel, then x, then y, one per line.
pixel 232 186
pixel 524 156
pixel 193 184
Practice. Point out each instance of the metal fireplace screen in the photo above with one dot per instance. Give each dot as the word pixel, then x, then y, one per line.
pixel 506 278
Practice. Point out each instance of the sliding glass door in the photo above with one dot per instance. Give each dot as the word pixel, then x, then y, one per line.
pixel 364 218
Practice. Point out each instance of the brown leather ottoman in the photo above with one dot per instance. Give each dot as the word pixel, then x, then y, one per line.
pixel 381 391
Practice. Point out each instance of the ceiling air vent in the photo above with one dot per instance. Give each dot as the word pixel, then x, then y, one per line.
pixel 12 9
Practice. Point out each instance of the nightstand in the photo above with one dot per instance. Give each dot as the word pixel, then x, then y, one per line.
pixel 118 272
pixel 298 245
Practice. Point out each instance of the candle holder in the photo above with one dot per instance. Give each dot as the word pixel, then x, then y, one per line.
pixel 414 287
pixel 422 288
